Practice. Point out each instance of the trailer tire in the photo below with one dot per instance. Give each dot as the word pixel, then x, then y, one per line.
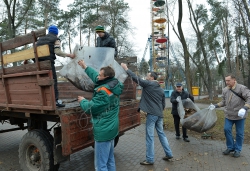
pixel 34 152
pixel 50 140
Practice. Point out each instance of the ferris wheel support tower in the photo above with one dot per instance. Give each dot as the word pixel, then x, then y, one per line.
pixel 159 57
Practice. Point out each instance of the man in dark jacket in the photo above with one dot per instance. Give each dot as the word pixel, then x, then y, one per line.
pixel 104 39
pixel 104 108
pixel 184 95
pixel 153 103
pixel 51 39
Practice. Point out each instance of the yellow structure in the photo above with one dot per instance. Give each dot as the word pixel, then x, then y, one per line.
pixel 195 91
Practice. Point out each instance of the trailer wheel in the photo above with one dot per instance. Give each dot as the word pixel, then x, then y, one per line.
pixel 34 152
pixel 49 138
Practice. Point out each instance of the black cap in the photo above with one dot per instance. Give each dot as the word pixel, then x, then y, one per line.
pixel 178 85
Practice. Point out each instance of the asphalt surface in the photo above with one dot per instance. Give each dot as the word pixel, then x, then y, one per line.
pixel 197 155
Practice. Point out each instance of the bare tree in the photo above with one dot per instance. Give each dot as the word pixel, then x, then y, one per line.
pixel 244 28
pixel 246 9
pixel 185 48
pixel 15 10
pixel 196 19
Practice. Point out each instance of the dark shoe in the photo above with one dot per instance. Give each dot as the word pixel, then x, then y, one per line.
pixel 227 151
pixel 167 158
pixel 146 163
pixel 236 154
pixel 186 140
pixel 178 137
pixel 59 104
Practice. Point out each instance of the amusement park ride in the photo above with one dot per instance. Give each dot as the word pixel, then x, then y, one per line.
pixel 159 46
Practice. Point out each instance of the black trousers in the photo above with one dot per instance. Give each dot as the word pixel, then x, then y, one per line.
pixel 177 127
pixel 55 80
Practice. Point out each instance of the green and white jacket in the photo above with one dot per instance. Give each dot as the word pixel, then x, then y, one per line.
pixel 104 106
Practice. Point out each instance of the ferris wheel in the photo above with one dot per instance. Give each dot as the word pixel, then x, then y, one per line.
pixel 159 40
pixel 160 46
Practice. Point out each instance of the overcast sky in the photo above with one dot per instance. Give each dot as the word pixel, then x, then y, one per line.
pixel 140 19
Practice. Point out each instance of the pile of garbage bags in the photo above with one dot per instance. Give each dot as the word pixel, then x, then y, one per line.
pixel 200 121
pixel 95 57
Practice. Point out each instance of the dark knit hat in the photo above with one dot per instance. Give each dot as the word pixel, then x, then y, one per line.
pixel 99 28
pixel 53 29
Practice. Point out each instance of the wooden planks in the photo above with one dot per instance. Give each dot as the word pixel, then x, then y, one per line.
pixel 24 91
pixel 26 54
pixel 78 131
pixel 44 65
pixel 22 40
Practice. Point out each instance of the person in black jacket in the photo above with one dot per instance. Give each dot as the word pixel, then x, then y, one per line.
pixel 104 39
pixel 184 95
pixel 52 40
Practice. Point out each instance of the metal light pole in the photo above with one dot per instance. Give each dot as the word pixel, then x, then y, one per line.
pixel 198 75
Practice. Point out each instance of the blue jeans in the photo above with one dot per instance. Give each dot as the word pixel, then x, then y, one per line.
pixel 157 123
pixel 104 156
pixel 239 124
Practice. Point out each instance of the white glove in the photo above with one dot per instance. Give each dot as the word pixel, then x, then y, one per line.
pixel 242 112
pixel 178 99
pixel 211 107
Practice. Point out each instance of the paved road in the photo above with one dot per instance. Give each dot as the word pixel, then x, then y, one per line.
pixel 198 155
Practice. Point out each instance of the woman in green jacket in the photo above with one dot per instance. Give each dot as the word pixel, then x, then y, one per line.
pixel 104 108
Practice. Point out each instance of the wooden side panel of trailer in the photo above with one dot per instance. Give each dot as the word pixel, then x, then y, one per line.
pixel 76 126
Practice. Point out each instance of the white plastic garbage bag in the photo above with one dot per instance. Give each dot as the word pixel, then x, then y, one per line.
pixel 95 57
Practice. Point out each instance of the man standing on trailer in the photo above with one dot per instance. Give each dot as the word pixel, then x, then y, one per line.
pixel 54 48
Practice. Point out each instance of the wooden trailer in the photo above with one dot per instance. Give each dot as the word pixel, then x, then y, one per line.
pixel 27 100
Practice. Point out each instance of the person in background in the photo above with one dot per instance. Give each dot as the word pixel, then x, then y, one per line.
pixel 54 48
pixel 236 100
pixel 104 108
pixel 104 39
pixel 153 103
pixel 179 91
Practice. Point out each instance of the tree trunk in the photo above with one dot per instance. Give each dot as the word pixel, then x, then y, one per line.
pixel 184 45
pixel 202 45
pixel 226 43
pixel 246 9
pixel 248 44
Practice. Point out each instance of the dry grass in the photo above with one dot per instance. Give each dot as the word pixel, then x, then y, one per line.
pixel 217 132
pixel 207 101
